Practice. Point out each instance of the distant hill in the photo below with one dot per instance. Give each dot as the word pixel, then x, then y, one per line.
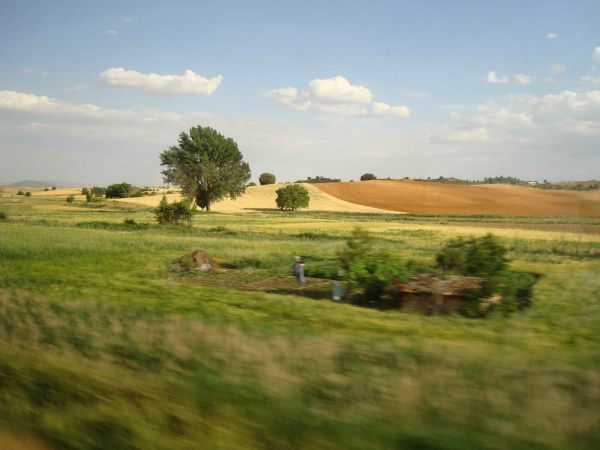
pixel 45 183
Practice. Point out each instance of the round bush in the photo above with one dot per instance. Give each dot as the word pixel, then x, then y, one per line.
pixel 266 178
pixel 70 199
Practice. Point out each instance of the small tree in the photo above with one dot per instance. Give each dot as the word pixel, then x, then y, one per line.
pixel 292 197
pixel 46 189
pixel 118 190
pixel 369 268
pixel 266 178
pixel 173 213
pixel 70 199
pixel 27 194
pixel 89 197
pixel 479 257
pixel 20 193
pixel 84 191
pixel 98 191
pixel 367 177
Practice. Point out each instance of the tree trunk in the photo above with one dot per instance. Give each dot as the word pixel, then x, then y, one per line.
pixel 207 206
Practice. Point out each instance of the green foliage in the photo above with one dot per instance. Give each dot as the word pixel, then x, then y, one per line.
pixel 173 213
pixel 84 191
pixel 98 191
pixel 53 188
pixel 70 199
pixel 370 268
pixel 27 194
pixel 252 183
pixel 89 196
pixel 266 178
pixel 46 189
pixel 118 190
pixel 20 193
pixel 479 257
pixel 3 215
pixel 206 165
pixel 292 197
pixel 367 177
pixel 319 179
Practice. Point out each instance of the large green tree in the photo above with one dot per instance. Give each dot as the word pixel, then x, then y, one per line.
pixel 206 165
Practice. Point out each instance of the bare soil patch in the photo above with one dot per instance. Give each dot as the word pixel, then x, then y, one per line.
pixel 492 199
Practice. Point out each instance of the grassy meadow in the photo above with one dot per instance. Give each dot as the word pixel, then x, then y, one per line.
pixel 103 345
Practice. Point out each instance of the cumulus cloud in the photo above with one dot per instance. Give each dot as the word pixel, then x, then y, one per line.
pixel 552 36
pixel 491 77
pixel 522 78
pixel 597 53
pixel 188 83
pixel 112 32
pixel 335 96
pixel 383 109
pixel 339 90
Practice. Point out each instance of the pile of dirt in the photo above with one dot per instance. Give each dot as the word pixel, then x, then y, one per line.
pixel 198 260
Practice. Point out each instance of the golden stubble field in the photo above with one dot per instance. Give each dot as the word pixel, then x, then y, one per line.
pixel 493 199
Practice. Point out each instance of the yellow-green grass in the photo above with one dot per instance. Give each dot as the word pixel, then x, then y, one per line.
pixel 103 346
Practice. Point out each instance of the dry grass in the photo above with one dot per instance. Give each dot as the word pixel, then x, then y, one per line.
pixel 437 198
pixel 259 198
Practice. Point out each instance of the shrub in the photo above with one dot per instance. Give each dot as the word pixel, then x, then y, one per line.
pixel 367 177
pixel 20 193
pixel 27 194
pixel 70 199
pixel 369 268
pixel 479 257
pixel 89 197
pixel 266 178
pixel 84 191
pixel 118 190
pixel 173 213
pixel 292 197
pixel 98 191
pixel 46 189
pixel 3 215
pixel 252 183
pixel 53 188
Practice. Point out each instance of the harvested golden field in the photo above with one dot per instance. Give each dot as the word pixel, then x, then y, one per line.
pixel 491 199
pixel 258 198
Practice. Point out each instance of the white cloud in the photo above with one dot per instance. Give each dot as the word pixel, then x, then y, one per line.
pixel 335 96
pixel 112 32
pixel 383 109
pixel 53 109
pixel 128 19
pixel 189 82
pixel 597 53
pixel 522 78
pixel 338 89
pixel 552 36
pixel 590 79
pixel 491 77
pixel 555 71
pixel 27 71
pixel 77 87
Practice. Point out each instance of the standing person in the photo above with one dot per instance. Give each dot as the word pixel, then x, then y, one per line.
pixel 298 269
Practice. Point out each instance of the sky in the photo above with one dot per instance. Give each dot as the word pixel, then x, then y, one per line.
pixel 93 92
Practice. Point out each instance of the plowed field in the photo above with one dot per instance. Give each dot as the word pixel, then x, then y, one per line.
pixel 490 199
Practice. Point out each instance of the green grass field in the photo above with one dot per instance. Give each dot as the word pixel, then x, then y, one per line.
pixel 102 345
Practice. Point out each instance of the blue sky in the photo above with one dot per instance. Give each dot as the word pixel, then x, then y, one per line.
pixel 468 89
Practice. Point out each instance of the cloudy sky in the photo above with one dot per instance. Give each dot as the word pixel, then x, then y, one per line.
pixel 93 91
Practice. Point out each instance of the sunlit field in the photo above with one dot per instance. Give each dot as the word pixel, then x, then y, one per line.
pixel 104 345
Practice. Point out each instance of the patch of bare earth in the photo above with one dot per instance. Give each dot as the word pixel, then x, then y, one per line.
pixel 491 199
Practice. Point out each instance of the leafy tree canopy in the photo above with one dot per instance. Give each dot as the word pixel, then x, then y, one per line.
pixel 206 165
pixel 118 190
pixel 292 197
pixel 367 176
pixel 266 178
